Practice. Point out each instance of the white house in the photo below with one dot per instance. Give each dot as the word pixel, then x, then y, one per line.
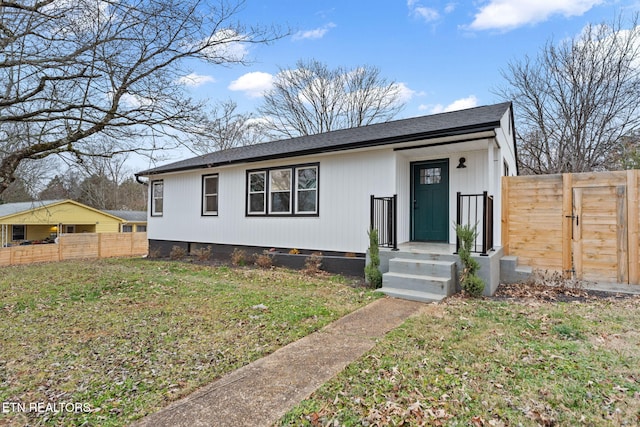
pixel 315 192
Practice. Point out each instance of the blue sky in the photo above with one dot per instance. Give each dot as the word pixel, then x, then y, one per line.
pixel 444 54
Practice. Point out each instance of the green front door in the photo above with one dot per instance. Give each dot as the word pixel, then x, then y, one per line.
pixel 430 188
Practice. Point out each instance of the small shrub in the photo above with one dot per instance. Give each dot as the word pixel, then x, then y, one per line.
pixel 238 257
pixel 313 263
pixel 554 279
pixel 294 251
pixel 154 253
pixel 264 260
pixel 202 254
pixel 372 273
pixel 177 252
pixel 471 283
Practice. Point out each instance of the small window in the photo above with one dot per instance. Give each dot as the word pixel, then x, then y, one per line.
pixel 141 228
pixel 430 176
pixel 280 191
pixel 307 189
pixel 127 228
pixel 210 195
pixel 506 168
pixel 69 229
pixel 18 232
pixel 157 198
pixel 257 192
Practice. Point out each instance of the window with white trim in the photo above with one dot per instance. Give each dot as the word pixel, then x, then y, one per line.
pixel 157 198
pixel 280 191
pixel 307 190
pixel 283 191
pixel 210 194
pixel 256 203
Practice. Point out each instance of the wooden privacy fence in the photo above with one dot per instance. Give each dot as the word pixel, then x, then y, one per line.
pixel 584 225
pixel 78 246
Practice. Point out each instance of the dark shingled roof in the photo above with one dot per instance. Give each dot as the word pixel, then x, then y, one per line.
pixel 130 216
pixel 437 125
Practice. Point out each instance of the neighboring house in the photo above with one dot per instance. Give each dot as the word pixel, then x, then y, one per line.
pixel 132 221
pixel 314 192
pixel 43 221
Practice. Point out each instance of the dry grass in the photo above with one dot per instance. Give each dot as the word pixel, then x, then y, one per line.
pixel 526 361
pixel 125 337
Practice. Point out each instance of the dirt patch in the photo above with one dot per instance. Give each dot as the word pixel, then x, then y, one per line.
pixel 554 293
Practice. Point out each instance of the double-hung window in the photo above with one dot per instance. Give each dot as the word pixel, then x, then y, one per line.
pixel 257 193
pixel 280 191
pixel 210 194
pixel 157 198
pixel 283 191
pixel 307 190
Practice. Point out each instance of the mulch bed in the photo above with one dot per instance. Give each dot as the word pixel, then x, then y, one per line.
pixel 554 293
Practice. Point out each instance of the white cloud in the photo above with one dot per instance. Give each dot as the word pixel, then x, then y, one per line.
pixel 253 84
pixel 405 94
pixel 195 80
pixel 459 104
pixel 427 13
pixel 317 33
pixel 224 46
pixel 450 7
pixel 510 14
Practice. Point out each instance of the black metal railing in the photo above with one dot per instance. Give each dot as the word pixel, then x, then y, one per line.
pixel 477 209
pixel 384 214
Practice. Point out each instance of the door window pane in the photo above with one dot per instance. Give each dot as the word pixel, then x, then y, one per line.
pixel 430 176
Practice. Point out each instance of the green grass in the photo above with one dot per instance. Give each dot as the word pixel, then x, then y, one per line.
pixel 126 337
pixel 486 362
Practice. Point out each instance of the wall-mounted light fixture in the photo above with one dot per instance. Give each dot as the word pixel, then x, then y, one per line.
pixel 461 164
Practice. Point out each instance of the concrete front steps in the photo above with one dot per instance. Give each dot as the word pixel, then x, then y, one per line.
pixel 424 280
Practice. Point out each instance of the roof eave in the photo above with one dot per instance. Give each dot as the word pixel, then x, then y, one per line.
pixel 336 148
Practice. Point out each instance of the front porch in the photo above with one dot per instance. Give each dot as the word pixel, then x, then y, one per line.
pixel 428 271
pixel 423 271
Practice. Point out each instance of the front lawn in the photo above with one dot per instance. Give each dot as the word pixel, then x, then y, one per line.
pixel 494 362
pixel 106 342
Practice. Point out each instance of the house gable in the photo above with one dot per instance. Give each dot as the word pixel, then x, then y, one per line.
pixel 54 212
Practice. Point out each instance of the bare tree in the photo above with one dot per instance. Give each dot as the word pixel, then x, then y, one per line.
pixel 228 128
pixel 55 189
pixel 73 70
pixel 98 177
pixel 312 98
pixel 577 100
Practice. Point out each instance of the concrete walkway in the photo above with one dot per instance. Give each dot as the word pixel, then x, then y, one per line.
pixel 260 393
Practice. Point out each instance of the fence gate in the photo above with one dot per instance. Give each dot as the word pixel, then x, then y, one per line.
pixel 585 225
pixel 599 234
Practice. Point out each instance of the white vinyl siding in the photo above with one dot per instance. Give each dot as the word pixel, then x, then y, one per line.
pixel 344 184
